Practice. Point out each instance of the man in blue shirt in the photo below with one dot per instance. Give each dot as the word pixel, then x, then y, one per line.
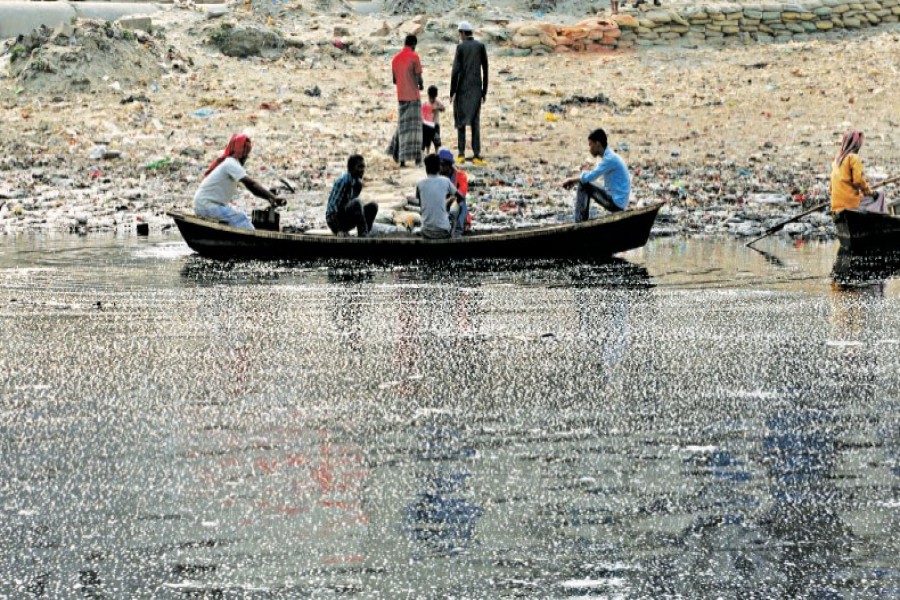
pixel 345 210
pixel 614 194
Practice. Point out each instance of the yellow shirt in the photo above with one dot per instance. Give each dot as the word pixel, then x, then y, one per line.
pixel 848 184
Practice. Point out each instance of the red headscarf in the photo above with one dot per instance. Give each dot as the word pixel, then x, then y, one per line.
pixel 850 144
pixel 239 147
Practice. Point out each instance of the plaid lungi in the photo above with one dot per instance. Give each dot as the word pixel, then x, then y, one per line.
pixel 407 141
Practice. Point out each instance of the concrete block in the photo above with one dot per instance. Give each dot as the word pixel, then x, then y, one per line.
pixel 142 23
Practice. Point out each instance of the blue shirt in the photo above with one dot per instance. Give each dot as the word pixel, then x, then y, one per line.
pixel 615 177
pixel 345 189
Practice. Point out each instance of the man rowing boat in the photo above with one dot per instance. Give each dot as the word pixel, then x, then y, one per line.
pixel 220 182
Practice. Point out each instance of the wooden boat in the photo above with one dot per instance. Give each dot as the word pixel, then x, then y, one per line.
pixel 857 268
pixel 867 231
pixel 595 239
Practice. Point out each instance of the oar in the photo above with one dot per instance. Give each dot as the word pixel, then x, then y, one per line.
pixel 778 227
pixel 886 182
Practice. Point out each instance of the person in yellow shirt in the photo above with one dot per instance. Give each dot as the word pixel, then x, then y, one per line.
pixel 849 188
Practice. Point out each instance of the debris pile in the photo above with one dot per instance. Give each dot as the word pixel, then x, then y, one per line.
pixel 241 42
pixel 82 56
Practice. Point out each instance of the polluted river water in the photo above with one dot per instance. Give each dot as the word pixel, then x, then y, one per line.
pixel 691 420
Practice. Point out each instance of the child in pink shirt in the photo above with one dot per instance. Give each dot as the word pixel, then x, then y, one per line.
pixel 431 123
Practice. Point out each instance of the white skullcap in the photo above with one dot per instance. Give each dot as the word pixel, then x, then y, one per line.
pixel 465 26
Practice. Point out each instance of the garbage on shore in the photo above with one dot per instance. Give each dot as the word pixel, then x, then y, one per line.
pixel 730 146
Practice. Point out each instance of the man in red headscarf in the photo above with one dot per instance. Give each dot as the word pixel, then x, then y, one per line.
pixel 220 182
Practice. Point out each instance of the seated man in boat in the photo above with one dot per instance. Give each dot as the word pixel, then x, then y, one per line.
pixel 614 194
pixel 849 188
pixel 435 195
pixel 460 180
pixel 219 183
pixel 345 210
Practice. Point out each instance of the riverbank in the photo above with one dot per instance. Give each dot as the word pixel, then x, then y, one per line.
pixel 732 138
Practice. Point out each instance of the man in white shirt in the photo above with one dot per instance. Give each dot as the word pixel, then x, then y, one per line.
pixel 220 183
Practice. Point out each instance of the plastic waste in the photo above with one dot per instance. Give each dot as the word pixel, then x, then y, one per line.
pixel 158 164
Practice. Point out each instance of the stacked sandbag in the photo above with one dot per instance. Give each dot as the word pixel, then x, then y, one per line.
pixel 717 24
pixel 703 24
pixel 591 35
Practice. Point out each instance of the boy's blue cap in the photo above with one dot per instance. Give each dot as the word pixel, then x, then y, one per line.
pixel 445 155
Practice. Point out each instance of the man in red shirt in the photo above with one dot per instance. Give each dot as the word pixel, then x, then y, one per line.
pixel 460 180
pixel 407 72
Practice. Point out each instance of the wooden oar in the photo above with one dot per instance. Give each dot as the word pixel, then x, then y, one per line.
pixel 886 182
pixel 778 227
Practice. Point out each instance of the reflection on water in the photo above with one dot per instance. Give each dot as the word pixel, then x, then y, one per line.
pixel 691 421
pixel 440 518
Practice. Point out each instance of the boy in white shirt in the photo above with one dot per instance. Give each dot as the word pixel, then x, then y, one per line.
pixel 212 198
pixel 436 194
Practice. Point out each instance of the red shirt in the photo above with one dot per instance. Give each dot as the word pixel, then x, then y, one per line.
pixel 461 181
pixel 407 70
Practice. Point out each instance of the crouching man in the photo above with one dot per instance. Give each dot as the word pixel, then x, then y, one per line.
pixel 345 210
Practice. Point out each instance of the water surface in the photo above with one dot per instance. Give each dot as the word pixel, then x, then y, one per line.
pixel 692 420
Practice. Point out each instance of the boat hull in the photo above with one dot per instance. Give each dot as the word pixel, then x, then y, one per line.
pixel 595 239
pixel 867 231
